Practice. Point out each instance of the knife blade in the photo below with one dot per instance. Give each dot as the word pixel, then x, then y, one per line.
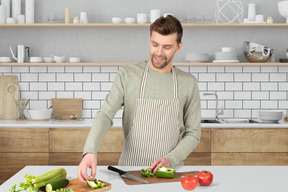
pixel 128 176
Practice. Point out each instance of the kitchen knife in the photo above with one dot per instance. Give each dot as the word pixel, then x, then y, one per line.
pixel 128 176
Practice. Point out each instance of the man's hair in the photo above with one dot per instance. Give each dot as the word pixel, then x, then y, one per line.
pixel 166 26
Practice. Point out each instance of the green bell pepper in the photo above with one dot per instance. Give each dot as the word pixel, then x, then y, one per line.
pixel 147 172
pixel 165 172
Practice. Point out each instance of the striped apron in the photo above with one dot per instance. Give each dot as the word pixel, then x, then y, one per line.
pixel 155 130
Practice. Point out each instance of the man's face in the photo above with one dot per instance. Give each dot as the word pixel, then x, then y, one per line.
pixel 163 49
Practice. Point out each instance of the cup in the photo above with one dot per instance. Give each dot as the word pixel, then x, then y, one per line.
pixel 251 11
pixel 83 17
pixel 227 49
pixel 129 20
pixel 10 20
pixel 166 14
pixel 154 14
pixel 116 20
pixel 20 18
pixel 48 60
pixel 76 20
pixel 141 18
pixel 5 59
pixel 259 18
pixel 74 60
pixel 57 59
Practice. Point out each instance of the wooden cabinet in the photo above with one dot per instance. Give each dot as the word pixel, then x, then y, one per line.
pixel 64 146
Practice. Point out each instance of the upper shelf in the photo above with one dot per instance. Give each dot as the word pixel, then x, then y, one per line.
pixel 146 25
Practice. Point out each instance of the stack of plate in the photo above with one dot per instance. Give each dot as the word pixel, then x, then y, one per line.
pixel 270 116
pixel 196 57
pixel 230 57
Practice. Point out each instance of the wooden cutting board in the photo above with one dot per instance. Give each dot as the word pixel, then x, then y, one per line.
pixel 66 107
pixel 9 92
pixel 77 186
pixel 155 179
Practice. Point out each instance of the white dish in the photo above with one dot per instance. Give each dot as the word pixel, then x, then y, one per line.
pixel 40 113
pixel 236 120
pixel 225 61
pixel 196 61
pixel 5 59
pixel 35 59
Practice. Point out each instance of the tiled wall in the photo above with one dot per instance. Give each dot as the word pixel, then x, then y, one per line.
pixel 242 90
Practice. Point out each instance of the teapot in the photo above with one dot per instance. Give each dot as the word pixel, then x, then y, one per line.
pixel 20 53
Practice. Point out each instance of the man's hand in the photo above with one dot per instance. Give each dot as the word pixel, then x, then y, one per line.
pixel 158 163
pixel 89 161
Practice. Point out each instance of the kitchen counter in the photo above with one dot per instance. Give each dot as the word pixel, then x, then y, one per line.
pixel 226 178
pixel 86 123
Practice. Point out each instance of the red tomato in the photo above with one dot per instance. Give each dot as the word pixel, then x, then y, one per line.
pixel 205 178
pixel 189 182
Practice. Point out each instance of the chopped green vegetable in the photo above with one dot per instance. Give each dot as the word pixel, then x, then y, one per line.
pixel 95 184
pixel 165 172
pixel 147 172
pixel 56 185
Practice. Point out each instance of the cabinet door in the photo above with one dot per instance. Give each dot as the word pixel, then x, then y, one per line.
pixel 24 140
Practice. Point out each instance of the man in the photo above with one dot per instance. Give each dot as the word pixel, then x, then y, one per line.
pixel 160 101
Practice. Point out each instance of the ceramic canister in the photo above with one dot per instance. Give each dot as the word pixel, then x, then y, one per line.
pixel 3 13
pixel 30 11
pixel 7 4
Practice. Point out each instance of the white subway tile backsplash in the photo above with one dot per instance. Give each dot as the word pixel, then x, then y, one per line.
pixel 278 95
pixel 47 77
pixel 64 77
pixel 86 113
pixel 251 86
pixel 224 77
pixel 260 95
pixel 198 69
pixel 283 69
pixel 56 69
pixel 207 77
pixel 109 69
pixel 278 77
pixel 83 94
pixel 38 69
pixel 184 68
pixel 38 104
pixel 99 95
pixel 283 105
pixel 269 86
pixel 112 77
pixel 29 94
pixel 55 86
pixel 203 104
pixel 65 94
pixel 208 113
pixel 100 77
pixel 223 95
pixel 269 69
pixel 271 104
pixel 91 69
pixel 233 69
pixel 29 77
pixel 38 86
pixel 242 77
pixel 95 86
pixel 23 86
pixel 240 95
pixel 255 104
pixel 251 69
pixel 218 69
pixel 47 95
pixel 260 77
pixel 283 86
pixel 18 69
pixel 73 86
pixel 83 77
pixel 215 86
pixel 233 86
pixel 242 113
pixel 105 86
pixel 233 105
pixel 87 104
pixel 73 69
pixel 119 114
pixel 5 69
pixel 202 86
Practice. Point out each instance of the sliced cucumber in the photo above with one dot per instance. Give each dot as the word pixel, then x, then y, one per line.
pixel 56 185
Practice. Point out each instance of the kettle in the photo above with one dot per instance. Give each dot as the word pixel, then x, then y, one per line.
pixel 20 53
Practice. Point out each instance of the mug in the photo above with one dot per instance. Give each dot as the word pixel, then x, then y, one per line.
pixel 141 18
pixel 10 20
pixel 259 18
pixel 116 20
pixel 154 14
pixel 227 49
pixel 57 59
pixel 83 17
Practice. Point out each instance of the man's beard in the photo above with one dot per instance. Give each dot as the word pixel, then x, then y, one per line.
pixel 161 65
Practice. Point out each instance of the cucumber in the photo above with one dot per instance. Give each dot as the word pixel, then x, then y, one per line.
pixel 56 185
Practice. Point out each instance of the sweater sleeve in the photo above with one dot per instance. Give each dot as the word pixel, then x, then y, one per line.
pixel 192 134
pixel 104 118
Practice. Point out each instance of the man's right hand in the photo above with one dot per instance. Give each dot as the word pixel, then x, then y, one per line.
pixel 88 161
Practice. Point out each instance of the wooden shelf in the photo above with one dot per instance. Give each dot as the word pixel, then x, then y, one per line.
pixel 146 25
pixel 120 64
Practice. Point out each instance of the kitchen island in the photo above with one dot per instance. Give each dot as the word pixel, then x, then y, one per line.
pixel 226 178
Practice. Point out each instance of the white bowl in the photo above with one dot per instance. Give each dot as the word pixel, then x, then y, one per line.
pixel 5 59
pixel 43 114
pixel 270 116
pixel 283 9
pixel 35 59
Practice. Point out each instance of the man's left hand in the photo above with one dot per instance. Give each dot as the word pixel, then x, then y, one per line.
pixel 158 163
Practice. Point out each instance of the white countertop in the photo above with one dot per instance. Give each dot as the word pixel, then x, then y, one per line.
pixel 88 122
pixel 226 178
